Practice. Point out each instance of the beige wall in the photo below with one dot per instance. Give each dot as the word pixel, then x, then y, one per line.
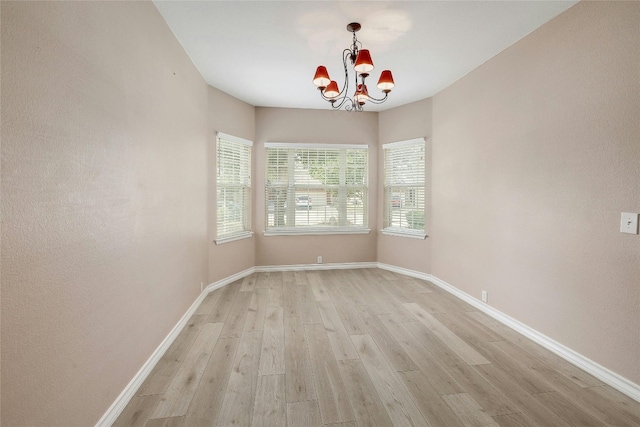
pixel 399 124
pixel 104 226
pixel 313 126
pixel 535 154
pixel 234 117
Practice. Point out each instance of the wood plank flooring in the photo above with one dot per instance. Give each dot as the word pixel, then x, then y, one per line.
pixel 360 348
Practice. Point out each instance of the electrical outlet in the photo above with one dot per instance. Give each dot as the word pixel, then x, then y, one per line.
pixel 319 259
pixel 485 296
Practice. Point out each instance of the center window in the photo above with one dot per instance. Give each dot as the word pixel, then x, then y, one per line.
pixel 316 188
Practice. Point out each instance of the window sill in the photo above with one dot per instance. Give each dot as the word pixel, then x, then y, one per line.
pixel 233 238
pixel 316 231
pixel 399 232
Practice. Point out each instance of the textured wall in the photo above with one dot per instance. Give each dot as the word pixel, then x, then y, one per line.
pixel 104 228
pixel 535 155
pixel 320 127
pixel 399 124
pixel 234 117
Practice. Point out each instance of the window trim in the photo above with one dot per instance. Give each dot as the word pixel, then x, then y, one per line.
pixel 238 236
pixel 312 145
pixel 402 232
pixel 315 231
pixel 311 230
pixel 247 210
pixel 398 231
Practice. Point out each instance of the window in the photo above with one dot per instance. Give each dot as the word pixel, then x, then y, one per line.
pixel 233 183
pixel 404 192
pixel 314 189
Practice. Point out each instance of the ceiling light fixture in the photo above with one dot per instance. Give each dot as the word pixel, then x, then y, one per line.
pixel 362 64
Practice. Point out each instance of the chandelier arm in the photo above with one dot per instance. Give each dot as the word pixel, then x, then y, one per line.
pixel 334 101
pixel 343 93
pixel 376 100
pixel 344 100
pixel 342 96
pixel 354 106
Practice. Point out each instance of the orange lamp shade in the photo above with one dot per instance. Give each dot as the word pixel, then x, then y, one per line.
pixel 332 90
pixel 364 63
pixel 321 79
pixel 385 83
pixel 361 95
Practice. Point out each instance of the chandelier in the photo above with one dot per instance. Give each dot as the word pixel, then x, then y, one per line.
pixel 361 61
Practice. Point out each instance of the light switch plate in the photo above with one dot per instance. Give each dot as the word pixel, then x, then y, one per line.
pixel 629 223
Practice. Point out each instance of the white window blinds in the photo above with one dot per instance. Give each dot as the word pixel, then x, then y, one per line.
pixel 404 187
pixel 316 188
pixel 233 182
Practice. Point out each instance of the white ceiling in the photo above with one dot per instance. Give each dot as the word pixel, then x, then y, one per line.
pixel 266 52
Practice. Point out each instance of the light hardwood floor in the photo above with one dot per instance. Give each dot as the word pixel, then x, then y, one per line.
pixel 361 348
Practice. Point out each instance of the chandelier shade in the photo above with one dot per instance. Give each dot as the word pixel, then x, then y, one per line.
pixel 385 82
pixel 332 90
pixel 362 64
pixel 321 79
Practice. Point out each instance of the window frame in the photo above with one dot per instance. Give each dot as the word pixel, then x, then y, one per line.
pixel 243 184
pixel 391 183
pixel 342 189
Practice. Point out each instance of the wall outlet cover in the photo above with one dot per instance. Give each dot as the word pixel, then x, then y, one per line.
pixel 629 223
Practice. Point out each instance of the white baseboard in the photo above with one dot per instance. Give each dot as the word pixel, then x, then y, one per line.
pixel 404 271
pixel 603 374
pixel 304 267
pixel 224 282
pixel 129 391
